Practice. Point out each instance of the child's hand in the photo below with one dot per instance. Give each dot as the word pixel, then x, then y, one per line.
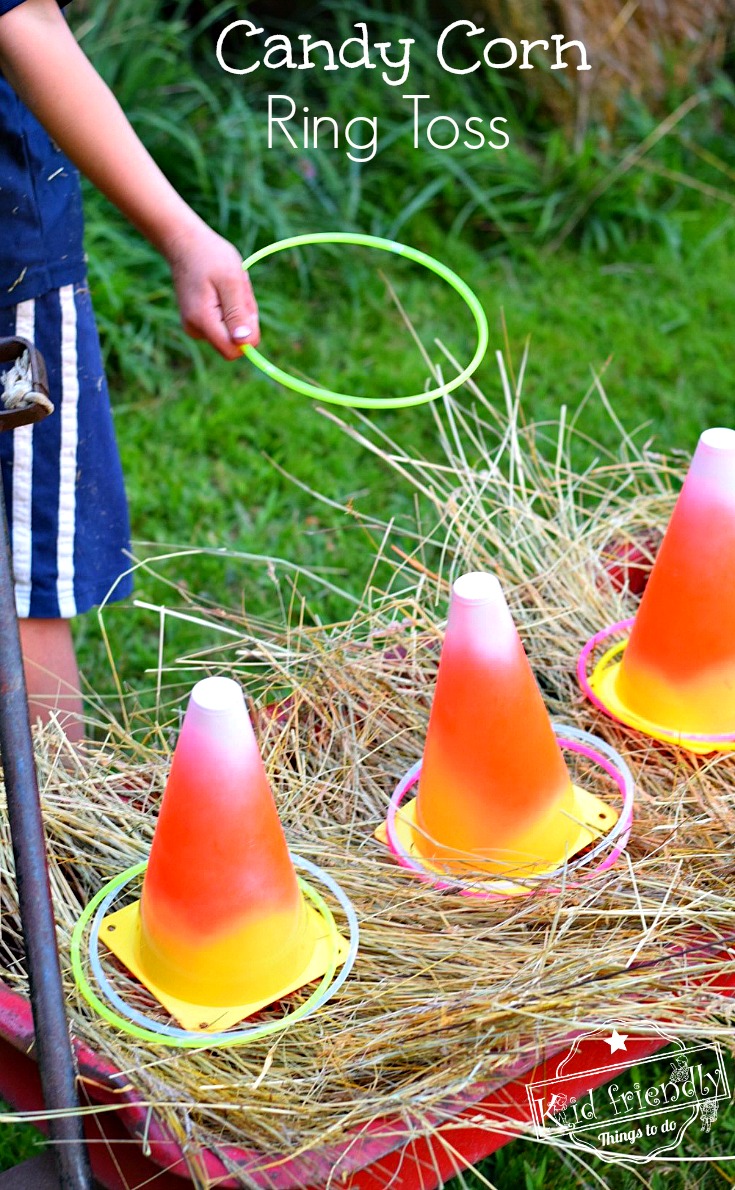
pixel 214 294
pixel 83 117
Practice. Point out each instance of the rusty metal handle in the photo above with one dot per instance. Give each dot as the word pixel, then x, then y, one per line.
pixel 53 1043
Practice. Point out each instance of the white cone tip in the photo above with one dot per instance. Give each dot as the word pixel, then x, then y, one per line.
pixel 718 440
pixel 478 587
pixel 217 695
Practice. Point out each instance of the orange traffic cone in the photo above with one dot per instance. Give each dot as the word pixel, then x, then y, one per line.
pixel 222 928
pixel 676 677
pixel 494 792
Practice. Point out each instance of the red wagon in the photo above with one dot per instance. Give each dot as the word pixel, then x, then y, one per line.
pixel 130 1149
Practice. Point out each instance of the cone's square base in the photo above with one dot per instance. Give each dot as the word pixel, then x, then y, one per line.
pixel 604 685
pixel 590 817
pixel 121 933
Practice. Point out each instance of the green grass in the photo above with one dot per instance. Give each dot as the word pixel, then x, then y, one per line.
pixel 18 1142
pixel 208 130
pixel 205 456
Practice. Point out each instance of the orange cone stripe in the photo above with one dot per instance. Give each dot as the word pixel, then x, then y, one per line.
pixel 494 791
pixel 679 667
pixel 492 764
pixel 219 856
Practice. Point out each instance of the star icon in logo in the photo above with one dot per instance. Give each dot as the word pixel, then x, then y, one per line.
pixel 616 1041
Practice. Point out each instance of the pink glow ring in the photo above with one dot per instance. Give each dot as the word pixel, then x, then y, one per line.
pixel 574 740
pixel 665 734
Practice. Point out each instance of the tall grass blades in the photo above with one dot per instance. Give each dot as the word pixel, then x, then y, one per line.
pixel 209 132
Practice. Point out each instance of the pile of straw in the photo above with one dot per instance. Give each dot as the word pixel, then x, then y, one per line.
pixel 447 991
pixel 641 48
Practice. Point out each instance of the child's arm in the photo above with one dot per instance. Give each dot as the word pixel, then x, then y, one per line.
pixel 42 61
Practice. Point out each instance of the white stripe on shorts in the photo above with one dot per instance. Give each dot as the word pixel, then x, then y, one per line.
pixel 68 453
pixel 25 326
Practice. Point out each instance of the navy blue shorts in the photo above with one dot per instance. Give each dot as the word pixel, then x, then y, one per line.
pixel 62 479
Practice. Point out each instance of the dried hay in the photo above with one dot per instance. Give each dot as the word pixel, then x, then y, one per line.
pixel 641 48
pixel 446 991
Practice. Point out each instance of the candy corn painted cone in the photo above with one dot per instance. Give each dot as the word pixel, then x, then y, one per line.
pixel 676 677
pixel 222 928
pixel 494 792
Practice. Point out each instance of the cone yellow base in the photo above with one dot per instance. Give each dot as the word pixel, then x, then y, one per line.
pixel 604 684
pixel 588 816
pixel 121 933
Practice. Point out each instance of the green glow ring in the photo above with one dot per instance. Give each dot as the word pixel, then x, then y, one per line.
pixel 365 241
pixel 201 1040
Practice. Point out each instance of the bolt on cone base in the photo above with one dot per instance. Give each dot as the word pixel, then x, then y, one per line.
pixel 588 818
pixel 603 683
pixel 122 934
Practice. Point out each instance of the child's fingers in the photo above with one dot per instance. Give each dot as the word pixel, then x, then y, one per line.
pixel 239 310
pixel 201 318
pixel 224 318
pixel 214 294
